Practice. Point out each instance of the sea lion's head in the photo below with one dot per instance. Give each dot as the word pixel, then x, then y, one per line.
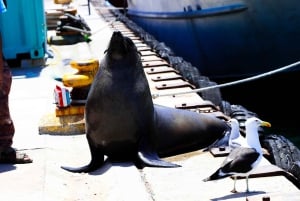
pixel 120 46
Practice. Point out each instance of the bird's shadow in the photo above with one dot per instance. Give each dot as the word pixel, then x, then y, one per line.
pixel 238 195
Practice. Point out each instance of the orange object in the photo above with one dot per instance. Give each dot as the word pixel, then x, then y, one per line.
pixel 71 110
pixel 87 70
pixel 62 1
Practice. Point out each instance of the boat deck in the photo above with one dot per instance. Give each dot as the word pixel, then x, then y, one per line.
pixel 31 99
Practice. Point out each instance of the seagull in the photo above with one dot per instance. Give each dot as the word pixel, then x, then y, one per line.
pixel 242 160
pixel 232 137
pixel 235 138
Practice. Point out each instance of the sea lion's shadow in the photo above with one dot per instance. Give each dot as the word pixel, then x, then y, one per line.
pixel 238 195
pixel 7 168
pixel 108 165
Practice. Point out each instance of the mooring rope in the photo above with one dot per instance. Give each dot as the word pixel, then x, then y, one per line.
pixel 215 86
pixel 230 83
pixel 89 32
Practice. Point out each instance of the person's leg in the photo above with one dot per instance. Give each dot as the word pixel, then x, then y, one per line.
pixel 7 130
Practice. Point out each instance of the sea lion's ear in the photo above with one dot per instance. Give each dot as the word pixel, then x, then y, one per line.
pixel 105 51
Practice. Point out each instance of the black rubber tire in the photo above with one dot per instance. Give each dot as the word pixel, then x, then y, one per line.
pixel 283 153
pixel 226 108
pixel 242 114
pixel 213 95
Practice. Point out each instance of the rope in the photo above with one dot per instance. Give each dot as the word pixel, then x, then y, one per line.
pixel 230 83
pixel 89 32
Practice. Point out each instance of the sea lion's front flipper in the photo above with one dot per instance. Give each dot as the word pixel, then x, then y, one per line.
pixel 85 169
pixel 93 165
pixel 97 160
pixel 149 157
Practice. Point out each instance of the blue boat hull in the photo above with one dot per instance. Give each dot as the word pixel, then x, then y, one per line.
pixel 232 39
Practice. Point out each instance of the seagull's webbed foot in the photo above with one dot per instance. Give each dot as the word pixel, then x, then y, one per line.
pixel 234 191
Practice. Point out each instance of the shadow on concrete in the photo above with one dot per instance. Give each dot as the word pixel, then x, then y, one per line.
pixel 108 165
pixel 30 72
pixel 7 167
pixel 238 195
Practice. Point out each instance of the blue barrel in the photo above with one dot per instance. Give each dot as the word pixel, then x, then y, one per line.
pixel 24 29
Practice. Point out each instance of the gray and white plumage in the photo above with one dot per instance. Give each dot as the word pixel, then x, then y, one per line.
pixel 232 137
pixel 235 138
pixel 242 160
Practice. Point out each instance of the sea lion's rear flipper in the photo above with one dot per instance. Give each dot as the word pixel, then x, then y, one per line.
pixel 149 157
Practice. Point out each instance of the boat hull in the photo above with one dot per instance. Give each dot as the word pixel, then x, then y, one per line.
pixel 225 38
pixel 231 39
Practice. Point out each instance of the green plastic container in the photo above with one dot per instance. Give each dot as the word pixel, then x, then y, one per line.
pixel 23 28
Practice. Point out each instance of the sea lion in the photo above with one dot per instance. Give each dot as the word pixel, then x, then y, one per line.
pixel 123 123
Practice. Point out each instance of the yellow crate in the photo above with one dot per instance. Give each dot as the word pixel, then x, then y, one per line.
pixel 71 110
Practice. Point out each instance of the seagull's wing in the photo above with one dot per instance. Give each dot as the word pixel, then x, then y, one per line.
pixel 221 142
pixel 239 160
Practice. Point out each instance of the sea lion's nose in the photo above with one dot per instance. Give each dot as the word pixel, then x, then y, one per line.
pixel 117 33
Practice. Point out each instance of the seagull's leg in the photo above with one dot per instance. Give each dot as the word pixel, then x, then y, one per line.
pixel 247 190
pixel 234 182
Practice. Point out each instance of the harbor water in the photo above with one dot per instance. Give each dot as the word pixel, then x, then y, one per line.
pixel 273 98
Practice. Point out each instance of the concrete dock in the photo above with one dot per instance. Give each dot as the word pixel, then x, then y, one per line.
pixel 31 99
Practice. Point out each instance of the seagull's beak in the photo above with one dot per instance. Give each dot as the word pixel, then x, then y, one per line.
pixel 265 124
